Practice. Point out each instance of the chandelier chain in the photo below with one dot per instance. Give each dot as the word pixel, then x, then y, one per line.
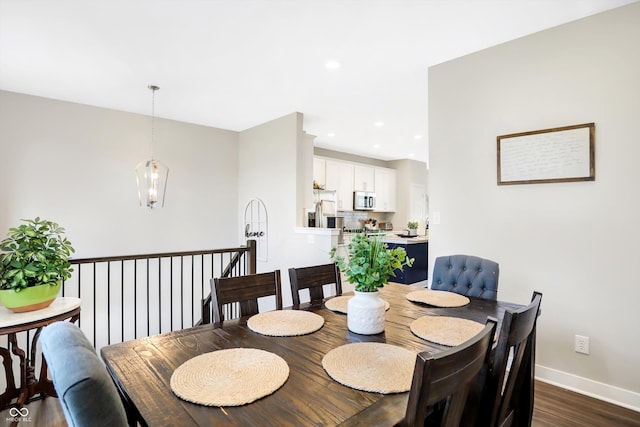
pixel 153 117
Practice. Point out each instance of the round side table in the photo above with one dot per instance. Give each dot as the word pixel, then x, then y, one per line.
pixel 62 308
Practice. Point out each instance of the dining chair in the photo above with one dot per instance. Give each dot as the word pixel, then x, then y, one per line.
pixel 87 394
pixel 244 290
pixel 444 379
pixel 508 393
pixel 467 275
pixel 314 279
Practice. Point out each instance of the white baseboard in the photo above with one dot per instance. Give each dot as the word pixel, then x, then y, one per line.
pixel 618 396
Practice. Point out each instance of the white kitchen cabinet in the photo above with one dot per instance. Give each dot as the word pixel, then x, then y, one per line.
pixel 385 184
pixel 363 178
pixel 319 171
pixel 339 177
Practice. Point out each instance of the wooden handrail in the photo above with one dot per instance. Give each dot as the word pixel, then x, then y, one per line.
pixel 159 255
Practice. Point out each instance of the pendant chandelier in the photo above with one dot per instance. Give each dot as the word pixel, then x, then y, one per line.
pixel 151 175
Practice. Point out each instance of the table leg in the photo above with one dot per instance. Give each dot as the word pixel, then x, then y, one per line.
pixel 11 391
pixel 43 384
pixel 15 349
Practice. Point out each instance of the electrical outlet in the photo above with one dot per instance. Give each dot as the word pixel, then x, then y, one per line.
pixel 582 344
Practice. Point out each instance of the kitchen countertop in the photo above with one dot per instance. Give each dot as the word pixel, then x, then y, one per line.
pixel 318 230
pixel 398 240
pixel 394 237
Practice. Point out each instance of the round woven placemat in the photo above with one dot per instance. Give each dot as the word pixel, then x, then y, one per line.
pixel 232 377
pixel 285 323
pixel 438 298
pixel 339 304
pixel 445 330
pixel 371 366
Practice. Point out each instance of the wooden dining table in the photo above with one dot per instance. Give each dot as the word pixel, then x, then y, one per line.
pixel 142 368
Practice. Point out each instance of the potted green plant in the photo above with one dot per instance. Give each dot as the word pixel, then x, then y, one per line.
pixel 412 227
pixel 34 262
pixel 369 266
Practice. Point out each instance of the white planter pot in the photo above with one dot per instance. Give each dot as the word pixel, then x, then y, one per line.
pixel 413 231
pixel 365 313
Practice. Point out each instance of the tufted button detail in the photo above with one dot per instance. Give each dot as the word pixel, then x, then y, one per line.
pixel 464 268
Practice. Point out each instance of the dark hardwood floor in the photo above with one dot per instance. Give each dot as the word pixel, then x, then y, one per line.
pixel 554 407
pixel 557 407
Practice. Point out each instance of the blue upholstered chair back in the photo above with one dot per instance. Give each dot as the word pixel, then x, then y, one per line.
pixel 467 275
pixel 85 389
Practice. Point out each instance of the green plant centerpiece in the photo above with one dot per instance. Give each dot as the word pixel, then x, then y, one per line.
pixel 371 262
pixel 369 266
pixel 34 262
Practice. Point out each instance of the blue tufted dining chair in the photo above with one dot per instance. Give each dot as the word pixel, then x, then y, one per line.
pixel 467 275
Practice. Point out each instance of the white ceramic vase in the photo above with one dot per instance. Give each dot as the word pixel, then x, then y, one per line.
pixel 365 313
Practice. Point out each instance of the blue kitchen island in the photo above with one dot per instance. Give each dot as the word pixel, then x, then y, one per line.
pixel 416 248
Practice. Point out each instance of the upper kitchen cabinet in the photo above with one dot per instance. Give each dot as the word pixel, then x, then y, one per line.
pixel 319 171
pixel 385 185
pixel 363 178
pixel 339 177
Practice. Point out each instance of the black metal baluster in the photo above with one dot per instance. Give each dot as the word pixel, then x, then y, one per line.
pixel 171 290
pixel 122 300
pixel 148 314
pixel 108 303
pixel 94 306
pixel 181 292
pixel 135 299
pixel 159 295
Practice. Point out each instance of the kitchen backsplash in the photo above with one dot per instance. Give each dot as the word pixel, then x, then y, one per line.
pixel 356 219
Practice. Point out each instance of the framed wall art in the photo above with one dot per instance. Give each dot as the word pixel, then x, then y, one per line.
pixel 560 154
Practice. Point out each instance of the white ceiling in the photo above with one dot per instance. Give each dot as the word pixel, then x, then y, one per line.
pixel 234 64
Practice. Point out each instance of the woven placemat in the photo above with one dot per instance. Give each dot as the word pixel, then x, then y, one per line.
pixel 438 298
pixel 231 377
pixel 445 330
pixel 285 323
pixel 371 366
pixel 339 304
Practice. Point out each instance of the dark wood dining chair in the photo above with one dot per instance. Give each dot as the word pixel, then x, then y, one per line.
pixel 444 379
pixel 508 393
pixel 314 279
pixel 244 290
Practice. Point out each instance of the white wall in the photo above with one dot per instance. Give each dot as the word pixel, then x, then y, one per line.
pixel 409 172
pixel 74 164
pixel 270 167
pixel 576 242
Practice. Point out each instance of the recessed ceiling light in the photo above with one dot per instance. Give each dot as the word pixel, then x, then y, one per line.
pixel 411 154
pixel 376 145
pixel 417 136
pixel 331 134
pixel 332 65
pixel 379 124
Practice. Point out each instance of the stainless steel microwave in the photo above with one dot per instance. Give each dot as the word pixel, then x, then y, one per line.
pixel 364 200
